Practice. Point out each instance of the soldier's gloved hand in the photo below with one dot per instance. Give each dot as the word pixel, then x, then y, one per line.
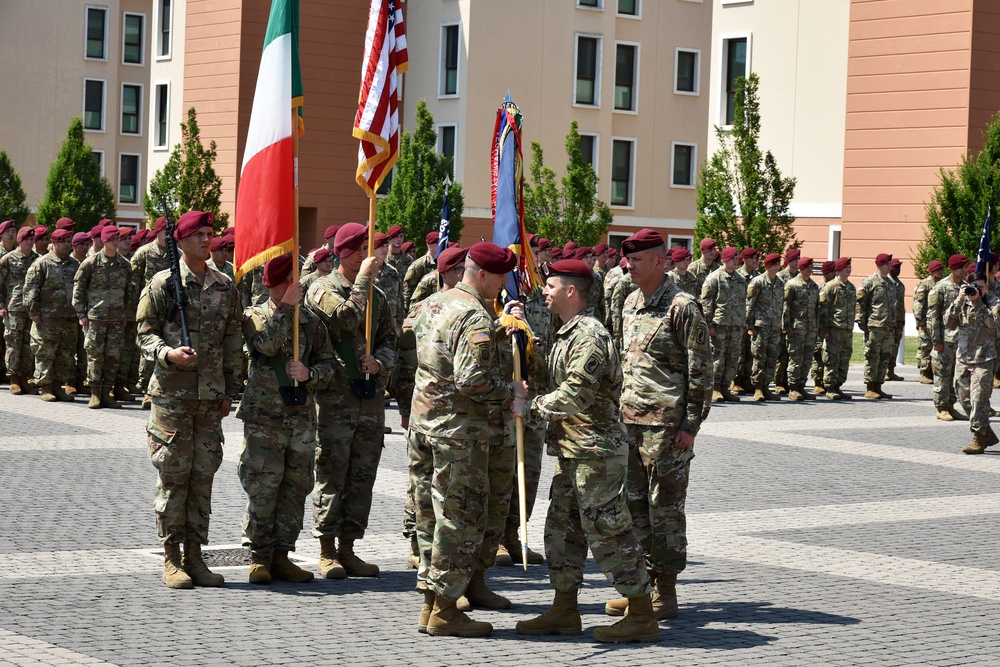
pixel 298 371
pixel 521 389
pixel 517 407
pixel 182 356
pixel 293 294
pixel 370 267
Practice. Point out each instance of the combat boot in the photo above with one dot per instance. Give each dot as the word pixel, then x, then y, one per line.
pixel 511 542
pixel 62 394
pixel 717 395
pixel 944 415
pixel 768 394
pixel 15 385
pixel 890 376
pixel 30 387
pixel 95 399
pixel 727 395
pixel 260 570
pixel 107 400
pixel 479 594
pixel 872 391
pixel 562 619
pixel 927 377
pixel 174 575
pixel 758 394
pixel 639 625
pixel 503 558
pixel 739 385
pixel 619 606
pixel 329 566
pixel 991 437
pixel 996 382
pixel 805 394
pixel 956 415
pixel 283 569
pixel 795 395
pixel 664 597
pixel 426 609
pixel 978 445
pixel 819 388
pixel 447 621
pixel 413 560
pixel 354 566
pixel 835 395
pixel 70 389
pixel 882 394
pixel 121 393
pixel 195 566
pixel 147 402
pixel 48 395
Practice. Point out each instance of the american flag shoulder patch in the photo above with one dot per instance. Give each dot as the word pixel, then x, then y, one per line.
pixel 478 337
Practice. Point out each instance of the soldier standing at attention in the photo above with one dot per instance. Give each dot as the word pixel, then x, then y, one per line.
pixel 944 339
pixel 147 261
pixel 397 258
pixel 192 390
pixel 17 334
pixel 706 264
pixel 665 398
pixel 323 259
pixel 389 281
pixel 897 336
pixel 48 296
pixel 790 270
pixel 935 271
pixel 329 234
pixel 799 324
pixel 351 427
pixel 680 275
pixel 877 310
pixel 81 247
pixel 765 301
pixel 419 268
pixel 585 432
pixel 837 302
pixel 8 242
pixel 42 239
pixel 828 272
pixel 750 258
pixel 723 300
pixel 279 440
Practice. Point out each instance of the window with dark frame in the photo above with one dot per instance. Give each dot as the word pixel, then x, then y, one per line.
pixel 164 45
pixel 128 179
pixel 586 70
pixel 448 141
pixel 131 101
pixel 449 79
pixel 93 104
pixel 736 66
pixel 683 165
pixel 621 173
pixel 596 4
pixel 625 77
pixel 98 160
pixel 687 72
pixel 132 52
pixel 162 113
pixel 97 42
pixel 628 7
pixel 588 149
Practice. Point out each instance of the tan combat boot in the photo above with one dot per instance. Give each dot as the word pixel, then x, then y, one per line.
pixel 639 625
pixel 819 388
pixel 70 390
pixel 174 575
pixel 447 621
pixel 107 400
pixel 260 570
pixel 563 618
pixel 283 569
pixel 426 608
pixel 795 394
pixel 956 415
pixel 717 395
pixel 48 395
pixel 872 391
pixel 927 377
pixel 62 394
pixel 95 399
pixel 511 543
pixel 978 445
pixel 195 566
pixel 479 594
pixel 890 376
pixel 758 394
pixel 664 597
pixel 15 385
pixel 944 415
pixel 329 566
pixel 147 402
pixel 727 395
pixel 806 396
pixel 768 394
pixel 882 394
pixel 354 566
pixel 121 393
pixel 413 560
pixel 835 394
pixel 503 558
pixel 619 606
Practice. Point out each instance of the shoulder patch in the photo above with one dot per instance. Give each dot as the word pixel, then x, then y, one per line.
pixel 409 322
pixel 592 364
pixel 479 337
pixel 318 295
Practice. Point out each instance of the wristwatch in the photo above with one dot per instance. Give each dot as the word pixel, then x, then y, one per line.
pixel 312 375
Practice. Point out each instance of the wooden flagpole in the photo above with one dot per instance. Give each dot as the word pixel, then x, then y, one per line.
pixel 522 495
pixel 295 228
pixel 372 204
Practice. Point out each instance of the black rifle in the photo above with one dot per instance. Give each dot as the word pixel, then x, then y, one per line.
pixel 178 297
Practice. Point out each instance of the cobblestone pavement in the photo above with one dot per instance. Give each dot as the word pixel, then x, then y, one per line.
pixel 821 533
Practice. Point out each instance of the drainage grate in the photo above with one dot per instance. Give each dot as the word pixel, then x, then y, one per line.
pixel 229 557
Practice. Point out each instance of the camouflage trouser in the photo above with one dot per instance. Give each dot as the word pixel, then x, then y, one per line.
pixel 764 350
pixel 801 345
pixel 837 351
pixel 974 386
pixel 146 368
pixel 818 369
pixel 403 379
pixel 3 356
pixel 276 470
pixel 534 445
pixel 129 354
pixel 897 338
pixel 781 369
pixel 103 344
pixel 726 348
pixel 944 376
pixel 587 509
pixel 656 490
pixel 924 347
pixel 745 367
pixel 348 449
pixel 80 372
pixel 54 343
pixel 185 446
pixel 17 336
pixel 878 352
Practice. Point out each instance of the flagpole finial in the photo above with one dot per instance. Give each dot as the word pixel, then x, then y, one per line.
pixel 447 182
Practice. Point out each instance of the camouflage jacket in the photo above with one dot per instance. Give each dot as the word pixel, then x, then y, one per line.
pixel 765 302
pixel 801 301
pixel 689 282
pixel 400 262
pixel 428 285
pixel 666 360
pixel 417 270
pixel 975 326
pixel 837 301
pixel 308 279
pixel 944 292
pixel 581 403
pixel 103 288
pixel 623 288
pixel 595 299
pixel 724 299
pixel 900 301
pixel 391 283
pixel 788 273
pixel 214 316
pixel 48 287
pixel 267 329
pixel 611 277
pixel 701 270
pixel 4 251
pixel 877 302
pixel 920 294
pixel 13 270
pixel 147 261
pixel 459 390
pixel 342 307
pixel 251 289
pixel 747 275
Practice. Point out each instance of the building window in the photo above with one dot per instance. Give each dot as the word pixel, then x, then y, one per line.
pixel 621 172
pixel 588 146
pixel 682 165
pixel 684 241
pixel 128 179
pixel 383 190
pixel 628 7
pixel 449 60
pixel 590 4
pixel 687 70
pixel 626 67
pixel 131 108
pixel 93 105
pixel 163 43
pixel 97 33
pixel 98 160
pixel 616 240
pixel 734 53
pixel 162 115
pixel 132 39
pixel 447 135
pixel 588 58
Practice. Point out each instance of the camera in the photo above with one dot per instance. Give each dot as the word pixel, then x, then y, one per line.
pixel 970 290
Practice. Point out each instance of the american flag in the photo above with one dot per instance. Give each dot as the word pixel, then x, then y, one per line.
pixel 377 120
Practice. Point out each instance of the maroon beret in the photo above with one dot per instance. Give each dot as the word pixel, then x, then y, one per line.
pixel 957 262
pixel 749 252
pixel 612 252
pixel 7 224
pixel 394 231
pixel 679 253
pixel 544 243
pixel 935 265
pixel 349 238
pixel 218 243
pixel 321 255
pixel 994 258
pixel 600 249
pixel 108 233
pixel 381 239
pixel 125 232
pixel 276 271
pixel 25 233
pixel 140 235
pixel 450 258
pixel 791 255
pixel 556 253
pixel 805 263
pixel 570 246
pixel 331 231
pixel 644 239
pixel 136 242
pixel 572 268
pixel 533 240
pixel 230 242
pixel 492 258
pixel 897 262
pixel 408 246
pixel 229 231
pixel 841 264
pixel 191 222
pixel 80 238
pixel 96 231
pixel 431 238
pixel 159 225
pixel 729 253
pixel 65 223
pixel 41 231
pixel 706 244
pixel 623 264
pixel 773 259
pixel 454 244
pixel 61 235
pixel 883 258
pixel 582 251
pixel 828 267
pixel 105 222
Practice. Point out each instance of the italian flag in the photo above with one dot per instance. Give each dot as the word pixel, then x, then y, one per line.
pixel 266 198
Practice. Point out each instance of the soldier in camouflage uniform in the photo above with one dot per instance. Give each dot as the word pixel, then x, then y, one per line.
pixel 790 270
pixel 765 301
pixel 680 275
pixel 723 300
pixel 944 339
pixel 42 240
pixel 837 302
pixel 975 319
pixel 611 276
pixel 398 259
pixel 351 428
pixel 48 296
pixel 279 440
pixel 323 261
pixel 897 334
pixel 13 270
pixel 251 289
pixel 129 346
pixel 81 248
pixel 750 258
pixel 818 369
pixel 8 243
pixel 390 282
pixel 935 271
pixel 587 508
pixel 419 268
pixel 799 324
pixel 101 296
pixel 666 395
pixel 877 310
pixel 220 254
pixel 705 265
pixel 623 287
pixel 146 262
pixel 192 389
pixel 309 265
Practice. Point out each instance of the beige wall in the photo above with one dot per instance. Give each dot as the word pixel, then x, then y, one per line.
pixel 166 69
